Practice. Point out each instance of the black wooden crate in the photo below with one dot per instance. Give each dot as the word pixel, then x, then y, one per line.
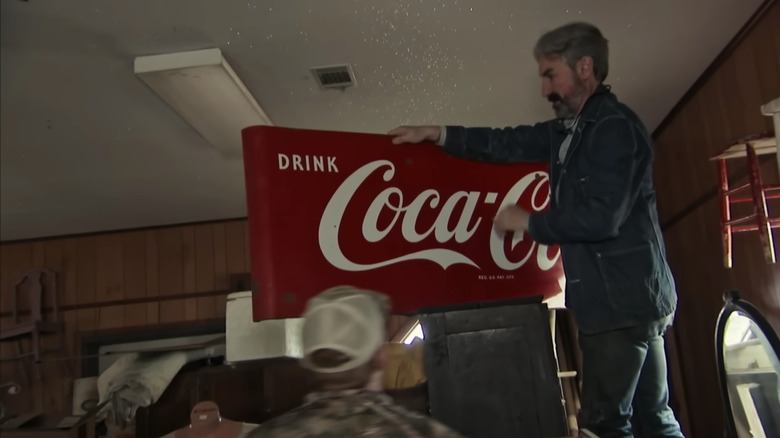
pixel 492 371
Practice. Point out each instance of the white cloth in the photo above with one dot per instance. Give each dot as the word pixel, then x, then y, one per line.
pixel 139 379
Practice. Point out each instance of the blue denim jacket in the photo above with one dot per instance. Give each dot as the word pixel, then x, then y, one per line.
pixel 604 214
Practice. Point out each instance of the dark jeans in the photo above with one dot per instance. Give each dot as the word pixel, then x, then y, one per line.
pixel 624 388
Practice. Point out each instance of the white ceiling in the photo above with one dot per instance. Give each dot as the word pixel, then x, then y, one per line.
pixel 85 146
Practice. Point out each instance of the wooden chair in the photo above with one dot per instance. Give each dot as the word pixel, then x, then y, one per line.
pixel 34 284
pixel 758 193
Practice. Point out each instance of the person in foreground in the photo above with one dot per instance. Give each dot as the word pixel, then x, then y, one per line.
pixel 343 337
pixel 603 215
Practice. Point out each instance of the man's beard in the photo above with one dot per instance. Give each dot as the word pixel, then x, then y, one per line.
pixel 568 107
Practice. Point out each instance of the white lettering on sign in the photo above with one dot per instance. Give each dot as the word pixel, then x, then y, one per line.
pixel 497 239
pixel 392 200
pixel 307 163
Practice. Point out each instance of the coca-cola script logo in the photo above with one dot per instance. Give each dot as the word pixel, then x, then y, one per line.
pixel 404 215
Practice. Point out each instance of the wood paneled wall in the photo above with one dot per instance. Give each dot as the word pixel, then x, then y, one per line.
pixel 723 107
pixel 121 280
pixel 124 280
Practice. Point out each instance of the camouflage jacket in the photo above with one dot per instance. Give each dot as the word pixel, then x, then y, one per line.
pixel 353 413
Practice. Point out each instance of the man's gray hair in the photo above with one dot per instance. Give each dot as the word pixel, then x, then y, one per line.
pixel 574 41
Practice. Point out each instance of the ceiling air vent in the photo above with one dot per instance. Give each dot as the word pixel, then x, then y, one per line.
pixel 334 76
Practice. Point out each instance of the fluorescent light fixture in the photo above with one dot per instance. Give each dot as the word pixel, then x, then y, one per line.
pixel 204 90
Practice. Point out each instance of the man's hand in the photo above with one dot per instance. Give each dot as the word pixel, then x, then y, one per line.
pixel 415 134
pixel 512 218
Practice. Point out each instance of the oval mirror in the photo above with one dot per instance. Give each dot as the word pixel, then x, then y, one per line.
pixel 746 349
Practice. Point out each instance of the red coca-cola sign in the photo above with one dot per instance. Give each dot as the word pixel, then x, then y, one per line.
pixel 329 208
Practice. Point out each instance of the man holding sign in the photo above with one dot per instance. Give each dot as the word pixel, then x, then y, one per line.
pixel 603 215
